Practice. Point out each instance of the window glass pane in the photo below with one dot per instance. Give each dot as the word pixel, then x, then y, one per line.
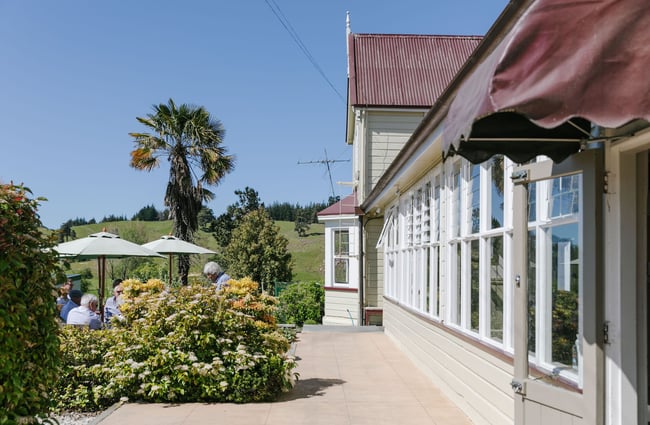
pixel 436 206
pixel 532 202
pixel 565 284
pixel 474 186
pixel 496 183
pixel 398 242
pixel 417 216
pixel 408 212
pixel 436 282
pixel 426 213
pixel 495 246
pixel 565 196
pixel 455 313
pixel 474 285
pixel 341 270
pixel 341 242
pixel 455 216
pixel 532 290
pixel 427 274
pixel 341 253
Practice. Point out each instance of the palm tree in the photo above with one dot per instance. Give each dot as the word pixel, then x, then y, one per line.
pixel 191 140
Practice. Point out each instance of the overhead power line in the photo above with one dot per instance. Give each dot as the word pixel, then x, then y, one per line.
pixel 294 35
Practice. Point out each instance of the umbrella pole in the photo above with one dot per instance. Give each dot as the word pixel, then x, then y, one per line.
pixel 171 265
pixel 102 277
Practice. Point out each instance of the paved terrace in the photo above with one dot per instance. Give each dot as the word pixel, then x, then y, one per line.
pixel 348 376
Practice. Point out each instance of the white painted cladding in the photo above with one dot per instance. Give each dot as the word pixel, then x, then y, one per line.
pixel 476 381
pixel 341 308
pixel 374 263
pixel 379 136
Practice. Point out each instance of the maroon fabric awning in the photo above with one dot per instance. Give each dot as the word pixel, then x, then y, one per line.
pixel 563 66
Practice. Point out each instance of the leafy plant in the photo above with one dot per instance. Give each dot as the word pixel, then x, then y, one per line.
pixel 258 250
pixel 302 302
pixel 185 344
pixel 565 325
pixel 29 347
pixel 226 223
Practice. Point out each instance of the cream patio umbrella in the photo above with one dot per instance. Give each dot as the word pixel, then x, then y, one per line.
pixel 171 245
pixel 101 246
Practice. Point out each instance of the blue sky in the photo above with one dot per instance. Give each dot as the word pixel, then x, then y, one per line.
pixel 76 74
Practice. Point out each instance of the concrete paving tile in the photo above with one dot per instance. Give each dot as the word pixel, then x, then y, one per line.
pixel 411 413
pixel 229 413
pixel 323 388
pixel 300 413
pixel 156 414
pixel 346 378
pixel 448 415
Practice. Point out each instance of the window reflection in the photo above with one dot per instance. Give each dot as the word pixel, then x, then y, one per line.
pixel 496 191
pixel 495 246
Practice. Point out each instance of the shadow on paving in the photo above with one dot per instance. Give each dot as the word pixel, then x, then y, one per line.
pixel 307 388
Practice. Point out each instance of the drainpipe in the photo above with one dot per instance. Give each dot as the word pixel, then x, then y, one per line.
pixel 361 267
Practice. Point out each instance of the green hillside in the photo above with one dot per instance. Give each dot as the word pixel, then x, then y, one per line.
pixel 307 252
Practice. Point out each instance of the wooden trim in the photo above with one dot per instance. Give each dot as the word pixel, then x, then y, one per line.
pixel 559 381
pixel 500 354
pixel 336 289
pixel 372 311
pixel 473 341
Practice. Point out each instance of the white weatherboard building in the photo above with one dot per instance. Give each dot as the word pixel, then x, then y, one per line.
pixel 504 236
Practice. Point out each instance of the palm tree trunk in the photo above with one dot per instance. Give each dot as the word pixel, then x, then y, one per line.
pixel 183 268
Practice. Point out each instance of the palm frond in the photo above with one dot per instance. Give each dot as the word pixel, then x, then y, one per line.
pixel 143 159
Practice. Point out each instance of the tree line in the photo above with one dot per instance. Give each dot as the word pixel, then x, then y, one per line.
pixel 285 211
pixel 147 213
pixel 278 211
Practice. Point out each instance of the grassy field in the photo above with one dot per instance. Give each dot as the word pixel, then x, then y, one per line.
pixel 307 252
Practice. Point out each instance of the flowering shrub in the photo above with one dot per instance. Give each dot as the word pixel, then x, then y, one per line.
pixel 29 347
pixel 184 344
pixel 134 287
pixel 243 295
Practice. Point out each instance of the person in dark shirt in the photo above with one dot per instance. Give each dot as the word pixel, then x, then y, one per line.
pixel 74 302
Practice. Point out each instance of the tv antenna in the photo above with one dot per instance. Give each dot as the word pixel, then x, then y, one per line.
pixel 327 163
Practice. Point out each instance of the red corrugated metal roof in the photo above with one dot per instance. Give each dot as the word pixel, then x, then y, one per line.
pixel 404 70
pixel 346 206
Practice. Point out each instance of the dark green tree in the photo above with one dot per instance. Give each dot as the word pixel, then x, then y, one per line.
pixel 302 223
pixel 148 213
pixel 258 250
pixel 227 222
pixel 192 141
pixel 206 219
pixel 66 232
pixel 112 218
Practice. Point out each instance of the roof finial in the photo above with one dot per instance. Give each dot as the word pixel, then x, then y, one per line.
pixel 348 31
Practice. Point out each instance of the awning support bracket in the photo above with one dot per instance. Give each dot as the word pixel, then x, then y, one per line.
pixel 519 176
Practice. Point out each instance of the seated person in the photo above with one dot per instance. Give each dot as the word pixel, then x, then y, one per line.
pixel 74 302
pixel 85 314
pixel 63 295
pixel 216 275
pixel 112 307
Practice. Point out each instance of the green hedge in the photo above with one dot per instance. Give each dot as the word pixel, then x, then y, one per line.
pixel 302 302
pixel 29 347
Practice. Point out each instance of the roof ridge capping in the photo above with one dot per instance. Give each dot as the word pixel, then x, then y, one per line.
pixel 417 35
